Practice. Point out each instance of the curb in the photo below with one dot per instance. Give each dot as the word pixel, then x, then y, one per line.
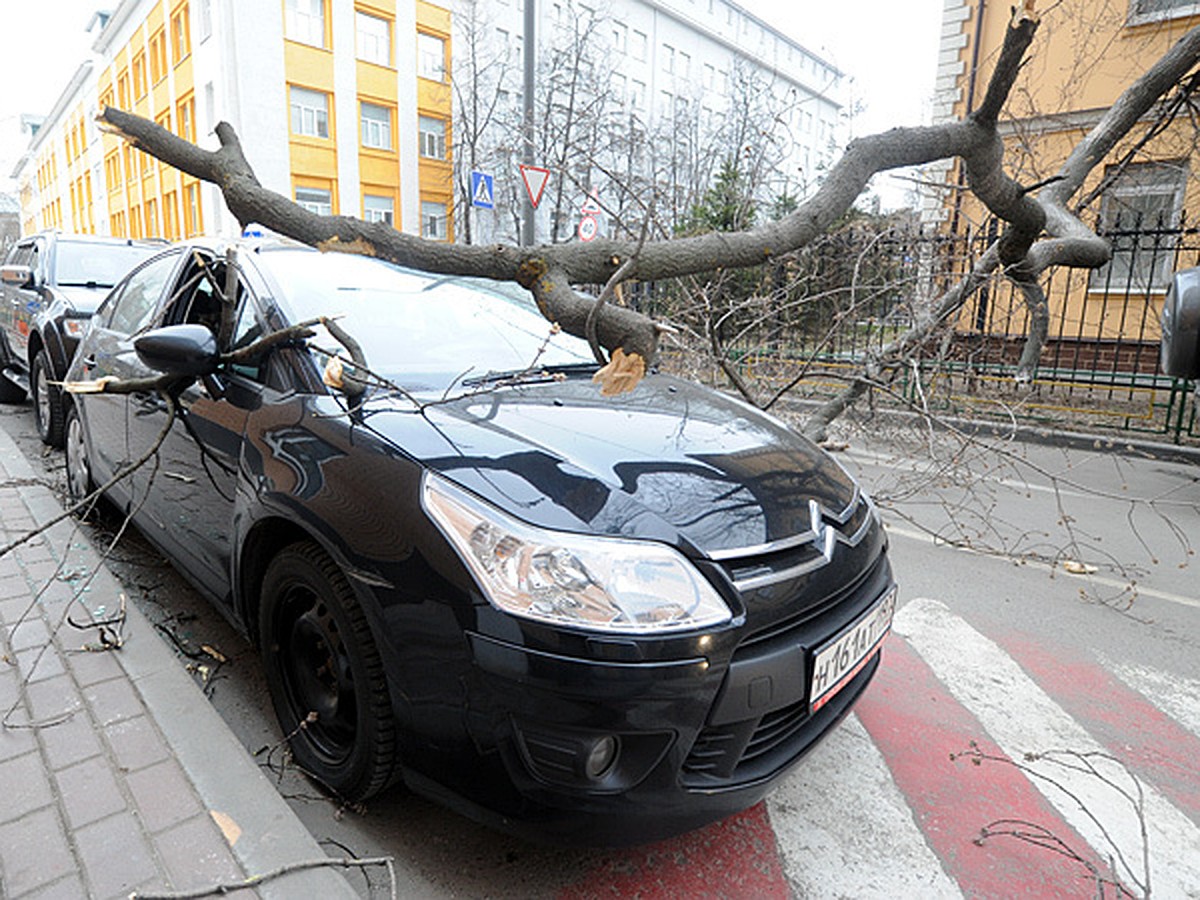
pixel 220 769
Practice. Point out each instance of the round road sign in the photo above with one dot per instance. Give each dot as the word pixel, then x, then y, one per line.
pixel 588 228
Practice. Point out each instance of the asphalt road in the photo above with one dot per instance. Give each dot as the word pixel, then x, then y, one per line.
pixel 982 544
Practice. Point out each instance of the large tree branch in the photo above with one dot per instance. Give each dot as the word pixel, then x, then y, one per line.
pixel 549 271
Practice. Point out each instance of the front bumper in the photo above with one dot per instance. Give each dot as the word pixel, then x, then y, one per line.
pixel 697 739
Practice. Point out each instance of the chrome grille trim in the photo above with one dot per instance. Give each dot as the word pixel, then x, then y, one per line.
pixel 796 540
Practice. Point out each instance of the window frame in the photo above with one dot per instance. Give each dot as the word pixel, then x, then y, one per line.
pixel 359 15
pixel 439 139
pixel 1136 182
pixel 374 127
pixel 377 213
pixel 1180 10
pixel 425 54
pixel 323 207
pixel 293 17
pixel 319 115
pixel 441 221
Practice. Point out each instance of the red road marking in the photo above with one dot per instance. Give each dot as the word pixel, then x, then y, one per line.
pixel 917 724
pixel 735 858
pixel 1150 743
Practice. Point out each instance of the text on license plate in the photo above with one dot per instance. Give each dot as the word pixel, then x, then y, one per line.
pixel 843 657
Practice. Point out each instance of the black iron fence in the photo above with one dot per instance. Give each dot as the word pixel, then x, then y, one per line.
pixel 826 310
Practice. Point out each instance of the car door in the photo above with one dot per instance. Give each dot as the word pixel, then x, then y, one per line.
pixel 13 318
pixel 191 489
pixel 28 299
pixel 108 351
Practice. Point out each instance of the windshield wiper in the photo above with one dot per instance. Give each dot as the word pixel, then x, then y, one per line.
pixel 532 374
pixel 86 284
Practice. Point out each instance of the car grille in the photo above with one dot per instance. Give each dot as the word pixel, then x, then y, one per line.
pixel 754 748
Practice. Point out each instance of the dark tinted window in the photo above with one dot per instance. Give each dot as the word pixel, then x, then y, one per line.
pixel 139 297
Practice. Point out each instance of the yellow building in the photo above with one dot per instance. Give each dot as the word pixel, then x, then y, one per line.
pixel 1085 54
pixel 342 105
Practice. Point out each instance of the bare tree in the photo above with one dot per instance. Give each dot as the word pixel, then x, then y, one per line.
pixel 1040 230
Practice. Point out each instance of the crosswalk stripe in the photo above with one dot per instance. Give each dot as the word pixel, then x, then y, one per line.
pixel 917 723
pixel 845 830
pixel 1163 754
pixel 1178 697
pixel 1021 718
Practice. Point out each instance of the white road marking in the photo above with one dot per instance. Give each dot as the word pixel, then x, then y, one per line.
pixel 1178 697
pixel 1021 718
pixel 913 534
pixel 844 829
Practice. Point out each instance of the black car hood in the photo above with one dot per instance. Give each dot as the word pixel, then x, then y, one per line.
pixel 670 461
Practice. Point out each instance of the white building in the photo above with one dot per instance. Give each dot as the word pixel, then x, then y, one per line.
pixel 676 69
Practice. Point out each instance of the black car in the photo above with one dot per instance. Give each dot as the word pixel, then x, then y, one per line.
pixel 599 620
pixel 52 283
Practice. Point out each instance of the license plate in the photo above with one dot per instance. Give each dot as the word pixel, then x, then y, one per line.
pixel 844 657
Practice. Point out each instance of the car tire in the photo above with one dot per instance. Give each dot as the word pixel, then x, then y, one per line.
pixel 321 658
pixel 10 391
pixel 47 401
pixel 79 469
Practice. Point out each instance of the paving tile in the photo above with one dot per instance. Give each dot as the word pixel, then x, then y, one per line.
pixel 12 582
pixel 34 852
pixel 24 786
pixel 29 632
pixel 69 888
pixel 40 571
pixel 112 701
pixel 14 741
pixel 70 742
pixel 36 665
pixel 53 697
pixel 163 795
pixel 116 856
pixel 93 667
pixel 196 855
pixel 88 792
pixel 136 743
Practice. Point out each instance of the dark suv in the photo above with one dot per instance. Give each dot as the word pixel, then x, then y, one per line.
pixel 52 284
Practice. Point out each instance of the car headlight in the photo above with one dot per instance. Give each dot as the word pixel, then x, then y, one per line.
pixel 595 583
pixel 75 327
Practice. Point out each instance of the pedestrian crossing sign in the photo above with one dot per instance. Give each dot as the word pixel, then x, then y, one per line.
pixel 483 192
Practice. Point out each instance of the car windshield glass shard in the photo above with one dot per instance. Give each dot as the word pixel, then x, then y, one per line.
pixel 421 331
pixel 95 265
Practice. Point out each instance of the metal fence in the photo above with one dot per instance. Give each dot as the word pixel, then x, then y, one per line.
pixel 858 290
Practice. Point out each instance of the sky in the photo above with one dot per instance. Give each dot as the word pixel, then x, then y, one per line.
pixel 888 48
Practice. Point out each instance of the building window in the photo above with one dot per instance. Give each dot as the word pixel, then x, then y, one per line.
pixel 433 220
pixel 310 112
pixel 1145 199
pixel 192 222
pixel 378 209
pixel 668 58
pixel 205 17
pixel 1148 10
pixel 431 57
pixel 376 126
pixel 639 46
pixel 374 38
pixel 620 37
pixel 185 118
pixel 123 91
pixel 432 136
pixel 181 34
pixel 158 56
pixel 152 229
pixel 139 76
pixel 315 200
pixel 305 21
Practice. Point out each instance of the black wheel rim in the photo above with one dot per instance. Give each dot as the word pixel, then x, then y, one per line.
pixel 316 673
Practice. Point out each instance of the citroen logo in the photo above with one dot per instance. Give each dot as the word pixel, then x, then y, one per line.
pixel 824 536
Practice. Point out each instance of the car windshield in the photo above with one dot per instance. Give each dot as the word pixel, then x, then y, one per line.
pixel 94 264
pixel 422 331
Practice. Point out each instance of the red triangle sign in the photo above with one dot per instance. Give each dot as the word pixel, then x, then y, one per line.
pixel 535 178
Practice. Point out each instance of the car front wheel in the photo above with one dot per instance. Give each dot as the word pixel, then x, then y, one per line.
pixel 47 401
pixel 325 674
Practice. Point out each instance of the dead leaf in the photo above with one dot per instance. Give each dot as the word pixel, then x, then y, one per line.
pixel 214 653
pixel 1074 567
pixel 622 374
pixel 229 828
pixel 333 373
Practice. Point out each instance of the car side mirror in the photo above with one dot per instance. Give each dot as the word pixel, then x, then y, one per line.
pixel 18 276
pixel 184 350
pixel 1181 326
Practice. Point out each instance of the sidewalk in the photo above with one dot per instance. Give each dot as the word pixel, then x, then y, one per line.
pixel 138 784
